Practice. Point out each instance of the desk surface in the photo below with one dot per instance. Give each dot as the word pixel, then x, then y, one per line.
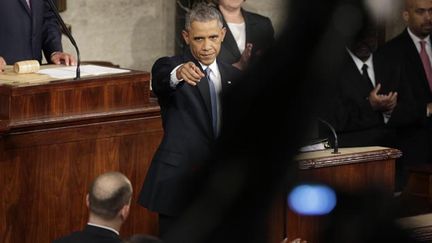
pixel 325 158
pixel 10 78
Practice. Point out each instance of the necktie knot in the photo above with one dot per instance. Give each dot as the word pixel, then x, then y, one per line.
pixel 208 72
pixel 422 44
pixel 365 68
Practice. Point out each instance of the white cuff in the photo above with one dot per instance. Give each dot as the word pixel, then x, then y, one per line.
pixel 174 80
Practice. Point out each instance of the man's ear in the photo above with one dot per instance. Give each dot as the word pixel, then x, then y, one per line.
pixel 223 32
pixel 185 35
pixel 124 212
pixel 405 16
pixel 88 200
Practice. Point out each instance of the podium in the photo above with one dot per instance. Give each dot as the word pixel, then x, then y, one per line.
pixel 57 136
pixel 351 170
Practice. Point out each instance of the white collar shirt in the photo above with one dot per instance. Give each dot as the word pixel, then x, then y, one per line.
pixel 104 227
pixel 359 64
pixel 417 40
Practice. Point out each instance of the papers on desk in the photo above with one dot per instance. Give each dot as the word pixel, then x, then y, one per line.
pixel 86 70
pixel 315 145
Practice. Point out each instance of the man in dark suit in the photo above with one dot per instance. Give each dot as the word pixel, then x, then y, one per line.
pixel 109 200
pixel 409 53
pixel 248 34
pixel 362 96
pixel 188 88
pixel 27 28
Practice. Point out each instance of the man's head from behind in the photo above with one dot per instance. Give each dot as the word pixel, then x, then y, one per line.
pixel 109 197
pixel 204 32
pixel 418 16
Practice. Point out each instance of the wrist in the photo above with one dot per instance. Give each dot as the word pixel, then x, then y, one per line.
pixel 54 53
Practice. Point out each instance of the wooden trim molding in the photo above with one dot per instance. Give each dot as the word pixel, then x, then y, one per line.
pixel 325 158
pixel 60 4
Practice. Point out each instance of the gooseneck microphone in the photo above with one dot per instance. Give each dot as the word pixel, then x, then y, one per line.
pixel 336 145
pixel 69 35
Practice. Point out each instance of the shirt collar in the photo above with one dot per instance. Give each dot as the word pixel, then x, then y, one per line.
pixel 359 63
pixel 212 66
pixel 415 38
pixel 104 227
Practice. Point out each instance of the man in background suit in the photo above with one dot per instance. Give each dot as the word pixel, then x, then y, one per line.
pixel 109 200
pixel 363 99
pixel 404 54
pixel 191 116
pixel 27 28
pixel 248 34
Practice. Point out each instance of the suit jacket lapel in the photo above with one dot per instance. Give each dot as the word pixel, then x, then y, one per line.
pixel 250 23
pixel 412 50
pixel 224 80
pixel 204 91
pixel 230 42
pixel 202 87
pixel 363 85
pixel 414 56
pixel 26 7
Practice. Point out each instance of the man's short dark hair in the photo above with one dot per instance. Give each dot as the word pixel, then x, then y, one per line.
pixel 203 12
pixel 108 194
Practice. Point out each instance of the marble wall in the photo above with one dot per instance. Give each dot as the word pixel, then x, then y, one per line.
pixel 131 33
pixel 395 24
pixel 134 33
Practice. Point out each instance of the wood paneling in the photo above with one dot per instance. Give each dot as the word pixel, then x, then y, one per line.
pixel 348 178
pixel 58 137
pixel 352 170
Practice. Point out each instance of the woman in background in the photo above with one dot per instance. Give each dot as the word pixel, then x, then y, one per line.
pixel 248 34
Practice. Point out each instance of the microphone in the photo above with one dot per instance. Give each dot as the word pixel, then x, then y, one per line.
pixel 336 145
pixel 69 35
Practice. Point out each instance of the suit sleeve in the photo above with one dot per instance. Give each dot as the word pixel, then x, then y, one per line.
pixel 51 34
pixel 161 75
pixel 352 113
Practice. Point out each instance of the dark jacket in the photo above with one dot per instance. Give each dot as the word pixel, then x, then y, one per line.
pixel 25 32
pixel 259 32
pixel 188 143
pixel 91 234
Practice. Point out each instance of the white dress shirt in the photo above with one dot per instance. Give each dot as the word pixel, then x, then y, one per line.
pixel 214 76
pixel 359 64
pixel 417 40
pixel 371 72
pixel 417 44
pixel 239 33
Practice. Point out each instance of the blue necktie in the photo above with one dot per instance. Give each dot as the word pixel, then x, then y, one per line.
pixel 213 99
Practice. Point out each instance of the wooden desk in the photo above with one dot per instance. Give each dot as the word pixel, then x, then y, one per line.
pixel 57 136
pixel 353 169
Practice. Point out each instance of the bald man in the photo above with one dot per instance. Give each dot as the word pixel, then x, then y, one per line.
pixel 409 54
pixel 108 200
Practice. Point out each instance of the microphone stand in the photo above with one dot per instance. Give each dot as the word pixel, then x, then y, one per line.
pixel 69 35
pixel 336 144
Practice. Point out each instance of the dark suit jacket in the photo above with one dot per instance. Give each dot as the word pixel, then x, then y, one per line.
pixel 91 234
pixel 259 32
pixel 350 112
pixel 401 54
pixel 24 32
pixel 188 143
pixel 409 119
